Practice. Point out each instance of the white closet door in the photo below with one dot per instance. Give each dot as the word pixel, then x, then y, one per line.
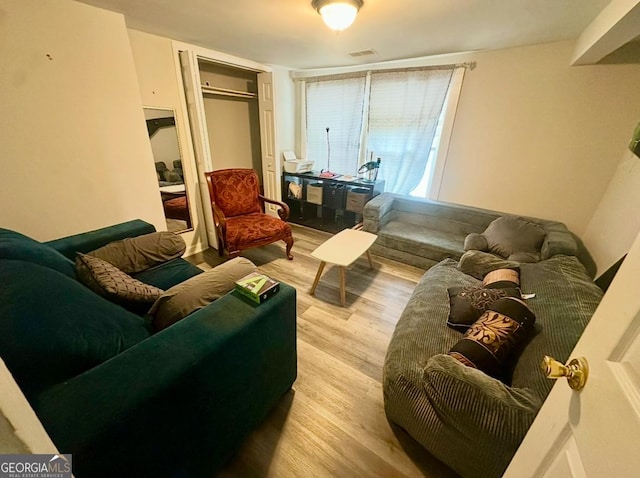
pixel 202 151
pixel 270 160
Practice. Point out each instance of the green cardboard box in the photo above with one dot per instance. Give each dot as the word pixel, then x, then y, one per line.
pixel 257 287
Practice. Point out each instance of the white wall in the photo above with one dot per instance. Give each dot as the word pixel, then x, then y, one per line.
pixel 537 137
pixel 74 148
pixel 616 222
pixel 165 146
pixel 233 125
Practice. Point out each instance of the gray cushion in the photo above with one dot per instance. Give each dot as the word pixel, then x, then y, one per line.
pixel 136 254
pixel 173 176
pixel 510 234
pixel 478 264
pixel 111 283
pixel 420 240
pixel 526 257
pixel 197 292
pixel 475 241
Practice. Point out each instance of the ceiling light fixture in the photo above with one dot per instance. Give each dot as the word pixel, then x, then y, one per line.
pixel 337 14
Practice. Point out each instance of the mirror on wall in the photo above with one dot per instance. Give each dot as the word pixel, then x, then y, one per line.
pixel 161 126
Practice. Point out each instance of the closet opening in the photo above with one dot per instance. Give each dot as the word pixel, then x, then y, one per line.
pixel 230 97
pixel 232 122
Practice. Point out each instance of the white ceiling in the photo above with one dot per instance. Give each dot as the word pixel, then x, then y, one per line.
pixel 291 33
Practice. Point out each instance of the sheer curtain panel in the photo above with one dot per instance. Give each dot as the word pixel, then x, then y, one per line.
pixel 404 108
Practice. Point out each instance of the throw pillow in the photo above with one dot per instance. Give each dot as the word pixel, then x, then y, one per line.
pixel 495 335
pixel 468 303
pixel 478 264
pixel 508 235
pixel 475 241
pixel 111 283
pixel 136 254
pixel 197 292
pixel 501 278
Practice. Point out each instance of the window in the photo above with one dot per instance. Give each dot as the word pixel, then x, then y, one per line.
pixel 338 106
pixel 392 114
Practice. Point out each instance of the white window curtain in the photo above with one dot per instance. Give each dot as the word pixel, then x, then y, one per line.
pixel 338 105
pixel 404 109
pixel 389 114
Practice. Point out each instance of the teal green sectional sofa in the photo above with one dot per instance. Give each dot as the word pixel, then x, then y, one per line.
pixel 122 400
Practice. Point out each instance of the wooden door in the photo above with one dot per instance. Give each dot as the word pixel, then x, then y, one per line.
pixel 199 136
pixel 595 432
pixel 270 160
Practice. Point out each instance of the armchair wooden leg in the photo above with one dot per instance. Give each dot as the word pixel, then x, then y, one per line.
pixel 289 242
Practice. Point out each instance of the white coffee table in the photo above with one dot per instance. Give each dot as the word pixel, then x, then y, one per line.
pixel 342 250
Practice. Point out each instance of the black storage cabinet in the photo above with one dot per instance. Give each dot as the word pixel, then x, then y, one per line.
pixel 327 204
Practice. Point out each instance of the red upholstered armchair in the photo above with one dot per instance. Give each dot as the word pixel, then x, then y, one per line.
pixel 238 212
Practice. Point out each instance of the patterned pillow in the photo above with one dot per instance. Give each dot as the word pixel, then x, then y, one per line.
pixel 111 283
pixel 468 303
pixel 490 341
pixel 502 278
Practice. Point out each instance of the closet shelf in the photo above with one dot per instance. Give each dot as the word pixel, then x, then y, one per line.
pixel 213 90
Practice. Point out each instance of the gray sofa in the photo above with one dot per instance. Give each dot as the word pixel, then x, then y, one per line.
pixel 465 418
pixel 421 232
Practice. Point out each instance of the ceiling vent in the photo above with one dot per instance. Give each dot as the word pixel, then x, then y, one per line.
pixel 362 53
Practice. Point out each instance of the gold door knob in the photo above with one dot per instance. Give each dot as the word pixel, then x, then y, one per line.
pixel 576 371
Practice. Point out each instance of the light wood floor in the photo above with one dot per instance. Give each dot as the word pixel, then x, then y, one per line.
pixel 332 424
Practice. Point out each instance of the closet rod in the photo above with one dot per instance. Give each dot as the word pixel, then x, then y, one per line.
pixel 213 90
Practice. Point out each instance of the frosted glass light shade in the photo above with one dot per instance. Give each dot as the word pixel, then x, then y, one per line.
pixel 337 14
